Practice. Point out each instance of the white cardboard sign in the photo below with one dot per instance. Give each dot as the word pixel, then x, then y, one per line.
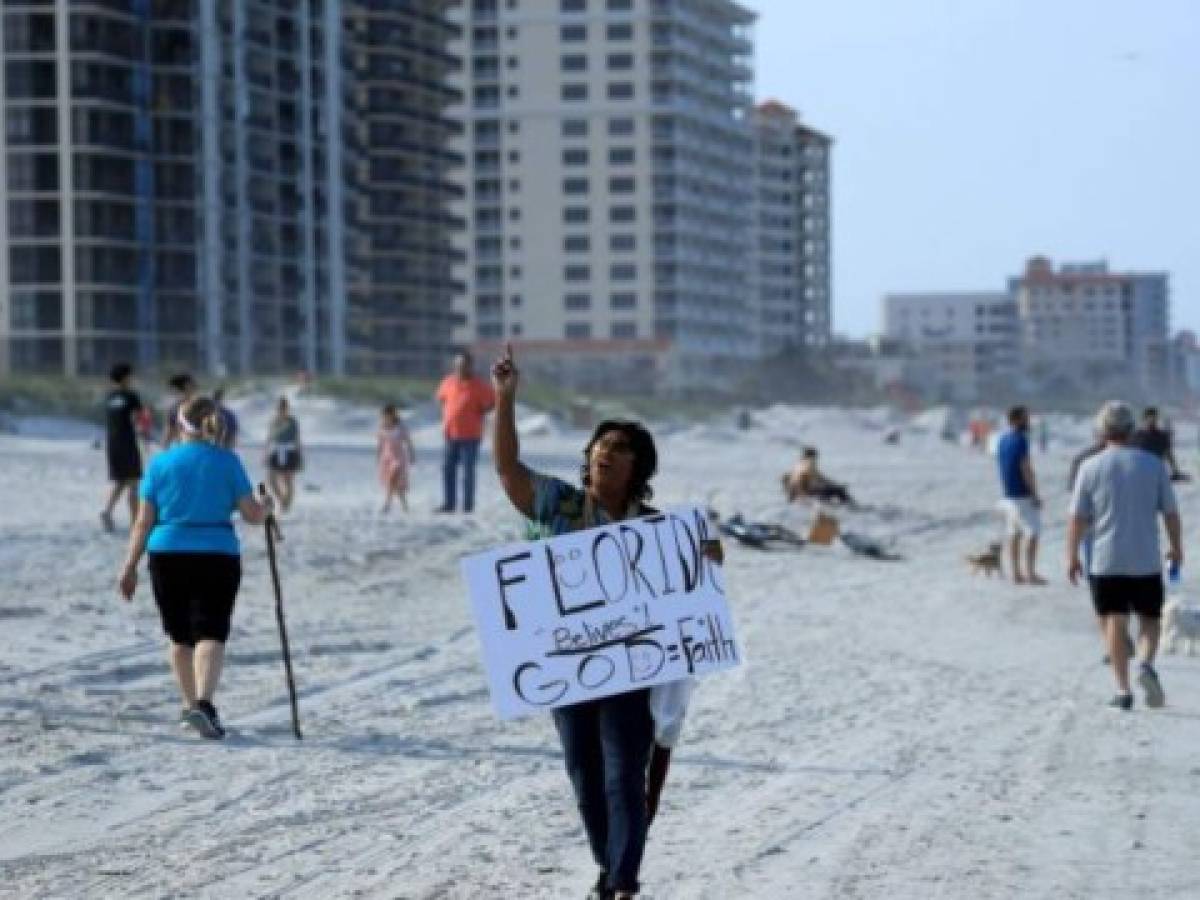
pixel 599 612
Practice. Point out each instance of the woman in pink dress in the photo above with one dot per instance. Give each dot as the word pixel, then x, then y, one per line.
pixel 394 453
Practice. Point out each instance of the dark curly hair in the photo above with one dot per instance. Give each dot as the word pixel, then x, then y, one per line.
pixel 645 456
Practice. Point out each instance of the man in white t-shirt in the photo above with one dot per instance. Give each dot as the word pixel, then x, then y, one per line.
pixel 1119 495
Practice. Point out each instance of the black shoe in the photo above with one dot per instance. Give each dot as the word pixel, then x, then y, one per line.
pixel 1122 702
pixel 1148 679
pixel 203 717
pixel 600 890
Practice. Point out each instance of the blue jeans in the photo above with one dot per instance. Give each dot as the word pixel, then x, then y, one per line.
pixel 465 452
pixel 606 745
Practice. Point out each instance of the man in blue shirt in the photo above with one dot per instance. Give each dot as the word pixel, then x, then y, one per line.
pixel 1021 504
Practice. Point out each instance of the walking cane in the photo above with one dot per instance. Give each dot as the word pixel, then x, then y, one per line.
pixel 273 534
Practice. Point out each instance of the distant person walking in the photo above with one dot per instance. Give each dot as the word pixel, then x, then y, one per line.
pixel 122 408
pixel 184 387
pixel 1119 495
pixel 1021 504
pixel 1156 441
pixel 229 421
pixel 465 400
pixel 1085 545
pixel 188 495
pixel 394 453
pixel 283 454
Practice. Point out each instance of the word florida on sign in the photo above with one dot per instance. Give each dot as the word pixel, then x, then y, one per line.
pixel 600 612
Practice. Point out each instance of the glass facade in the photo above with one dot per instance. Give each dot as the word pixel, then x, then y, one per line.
pixel 199 183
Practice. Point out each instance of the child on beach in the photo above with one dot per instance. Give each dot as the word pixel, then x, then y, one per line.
pixel 394 452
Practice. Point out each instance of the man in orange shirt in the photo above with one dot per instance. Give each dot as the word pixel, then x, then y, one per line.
pixel 465 401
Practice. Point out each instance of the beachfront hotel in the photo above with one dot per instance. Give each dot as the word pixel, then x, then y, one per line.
pixel 233 187
pixel 609 190
pixel 792 232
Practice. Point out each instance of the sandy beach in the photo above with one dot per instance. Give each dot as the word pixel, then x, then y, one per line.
pixel 899 730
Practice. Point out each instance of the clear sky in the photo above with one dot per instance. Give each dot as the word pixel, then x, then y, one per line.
pixel 971 134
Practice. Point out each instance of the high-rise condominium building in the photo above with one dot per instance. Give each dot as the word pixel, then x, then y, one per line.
pixel 608 193
pixel 233 185
pixel 1086 323
pixel 792 232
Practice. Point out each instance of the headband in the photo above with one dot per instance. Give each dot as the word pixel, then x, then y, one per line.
pixel 184 425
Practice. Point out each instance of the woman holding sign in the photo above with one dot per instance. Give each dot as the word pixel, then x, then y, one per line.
pixel 608 743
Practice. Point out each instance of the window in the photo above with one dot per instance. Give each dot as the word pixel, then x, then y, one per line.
pixel 514 156
pixel 619 5
pixel 622 214
pixel 516 329
pixel 490 330
pixel 514 127
pixel 577 273
pixel 619 31
pixel 31 265
pixel 576 215
pixel 621 156
pixel 578 331
pixel 577 243
pixel 622 243
pixel 573 62
pixel 577 302
pixel 620 62
pixel 622 272
pixel 624 330
pixel 32 172
pixel 515 300
pixel 572 34
pixel 572 6
pixel 620 90
pixel 512 91
pixel 622 185
pixel 574 128
pixel 513 62
pixel 514 214
pixel 574 93
pixel 623 300
pixel 622 127
pixel 575 156
pixel 575 185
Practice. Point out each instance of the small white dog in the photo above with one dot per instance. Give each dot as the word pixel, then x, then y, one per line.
pixel 1180 623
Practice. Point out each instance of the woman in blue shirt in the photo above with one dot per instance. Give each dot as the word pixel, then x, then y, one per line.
pixel 188 494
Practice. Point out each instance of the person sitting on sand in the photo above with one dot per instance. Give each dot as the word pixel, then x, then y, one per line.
pixel 806 480
pixel 394 452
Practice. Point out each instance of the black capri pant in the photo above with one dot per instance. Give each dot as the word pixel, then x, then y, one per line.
pixel 194 593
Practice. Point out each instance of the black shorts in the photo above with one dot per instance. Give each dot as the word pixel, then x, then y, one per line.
pixel 124 462
pixel 1118 595
pixel 194 593
pixel 284 461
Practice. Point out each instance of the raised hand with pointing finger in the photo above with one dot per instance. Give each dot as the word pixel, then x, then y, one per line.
pixel 505 375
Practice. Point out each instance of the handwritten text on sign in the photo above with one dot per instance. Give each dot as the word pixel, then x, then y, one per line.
pixel 599 612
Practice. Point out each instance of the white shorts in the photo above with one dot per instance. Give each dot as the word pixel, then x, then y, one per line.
pixel 1021 516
